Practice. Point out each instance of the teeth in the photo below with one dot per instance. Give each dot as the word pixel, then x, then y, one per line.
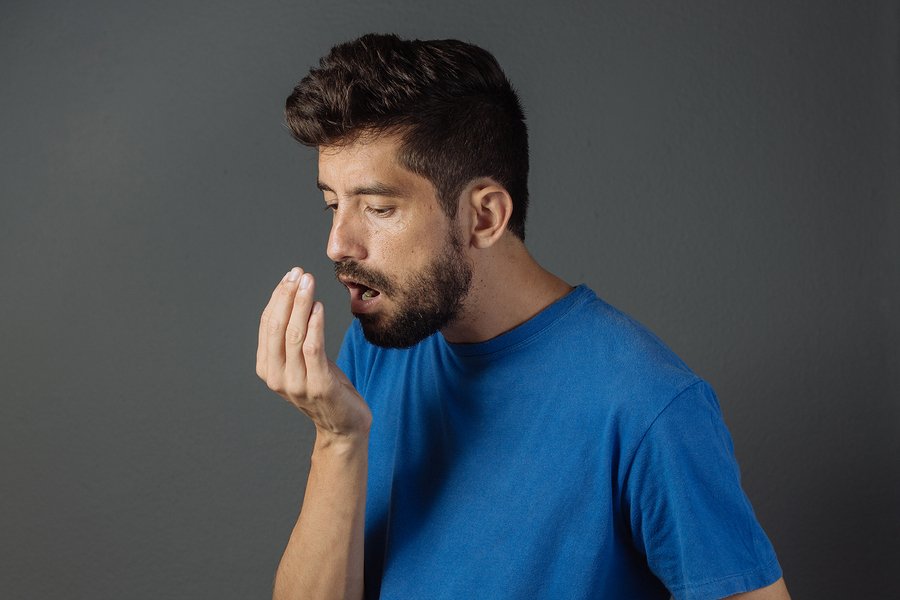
pixel 368 295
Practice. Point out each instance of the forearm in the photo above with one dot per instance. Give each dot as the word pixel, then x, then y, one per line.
pixel 324 556
pixel 776 591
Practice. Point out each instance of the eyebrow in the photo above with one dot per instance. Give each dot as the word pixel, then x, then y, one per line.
pixel 372 189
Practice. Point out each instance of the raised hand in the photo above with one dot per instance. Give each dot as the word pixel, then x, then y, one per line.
pixel 291 359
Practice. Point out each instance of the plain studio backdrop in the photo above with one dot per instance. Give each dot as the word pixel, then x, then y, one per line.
pixel 725 172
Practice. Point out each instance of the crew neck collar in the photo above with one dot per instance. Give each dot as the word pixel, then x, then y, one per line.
pixel 524 332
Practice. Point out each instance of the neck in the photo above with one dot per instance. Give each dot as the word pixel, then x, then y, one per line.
pixel 508 288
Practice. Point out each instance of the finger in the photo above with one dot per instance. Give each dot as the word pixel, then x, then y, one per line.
pixel 279 313
pixel 262 342
pixel 317 369
pixel 295 334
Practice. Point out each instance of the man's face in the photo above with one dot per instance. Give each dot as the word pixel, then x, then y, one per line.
pixel 393 247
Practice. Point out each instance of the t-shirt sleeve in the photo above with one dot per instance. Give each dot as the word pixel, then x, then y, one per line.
pixel 688 513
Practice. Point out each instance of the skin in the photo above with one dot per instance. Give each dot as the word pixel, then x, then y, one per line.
pixel 776 591
pixel 388 219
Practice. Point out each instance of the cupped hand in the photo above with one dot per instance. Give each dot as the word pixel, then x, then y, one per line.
pixel 291 359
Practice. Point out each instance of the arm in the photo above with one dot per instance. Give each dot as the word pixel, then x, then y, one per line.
pixel 688 512
pixel 324 555
pixel 776 591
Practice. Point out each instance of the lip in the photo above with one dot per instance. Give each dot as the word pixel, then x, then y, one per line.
pixel 359 305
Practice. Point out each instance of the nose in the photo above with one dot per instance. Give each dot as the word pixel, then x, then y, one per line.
pixel 346 238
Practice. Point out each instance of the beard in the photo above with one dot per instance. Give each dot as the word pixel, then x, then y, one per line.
pixel 427 302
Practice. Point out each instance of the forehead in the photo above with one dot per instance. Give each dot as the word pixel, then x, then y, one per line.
pixel 366 162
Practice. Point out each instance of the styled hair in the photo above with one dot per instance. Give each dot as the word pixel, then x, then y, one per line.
pixel 457 115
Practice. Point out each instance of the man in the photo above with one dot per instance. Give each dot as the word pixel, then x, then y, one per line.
pixel 489 431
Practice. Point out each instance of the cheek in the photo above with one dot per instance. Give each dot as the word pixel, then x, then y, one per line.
pixel 405 240
pixel 400 259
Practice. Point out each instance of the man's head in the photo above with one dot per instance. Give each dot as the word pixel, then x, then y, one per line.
pixel 405 131
pixel 402 260
pixel 456 114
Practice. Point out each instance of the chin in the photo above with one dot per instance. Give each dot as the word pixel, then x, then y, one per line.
pixel 397 335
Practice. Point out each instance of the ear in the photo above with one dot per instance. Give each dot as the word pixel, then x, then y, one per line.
pixel 490 209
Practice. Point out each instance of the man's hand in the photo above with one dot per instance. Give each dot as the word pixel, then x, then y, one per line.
pixel 324 556
pixel 291 359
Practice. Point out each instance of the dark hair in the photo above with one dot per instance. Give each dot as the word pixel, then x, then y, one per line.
pixel 456 112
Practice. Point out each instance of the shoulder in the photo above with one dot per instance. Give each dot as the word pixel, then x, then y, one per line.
pixel 618 337
pixel 618 355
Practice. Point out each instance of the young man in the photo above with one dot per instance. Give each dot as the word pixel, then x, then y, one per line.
pixel 489 431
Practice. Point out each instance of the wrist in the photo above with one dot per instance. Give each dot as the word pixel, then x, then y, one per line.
pixel 341 443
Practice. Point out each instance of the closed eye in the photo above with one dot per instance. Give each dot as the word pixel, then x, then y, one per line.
pixel 381 211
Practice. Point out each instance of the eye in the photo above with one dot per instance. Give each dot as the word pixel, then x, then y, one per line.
pixel 332 206
pixel 381 211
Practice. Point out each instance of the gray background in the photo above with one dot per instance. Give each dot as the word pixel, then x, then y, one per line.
pixel 725 172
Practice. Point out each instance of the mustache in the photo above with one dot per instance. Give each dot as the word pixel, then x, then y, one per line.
pixel 367 277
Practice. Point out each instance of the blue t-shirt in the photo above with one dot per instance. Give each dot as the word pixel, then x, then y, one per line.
pixel 574 456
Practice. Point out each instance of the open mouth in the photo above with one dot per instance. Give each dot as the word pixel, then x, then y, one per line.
pixel 364 291
pixel 360 294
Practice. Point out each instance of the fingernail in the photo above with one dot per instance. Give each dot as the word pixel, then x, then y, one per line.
pixel 304 281
pixel 317 307
pixel 293 274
